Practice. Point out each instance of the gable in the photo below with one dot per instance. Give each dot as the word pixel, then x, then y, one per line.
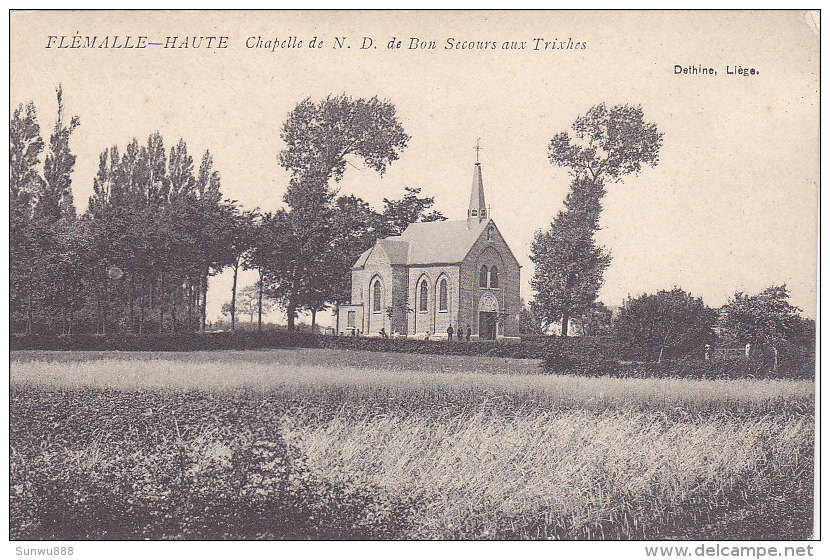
pixel 496 243
pixel 361 260
pixel 376 258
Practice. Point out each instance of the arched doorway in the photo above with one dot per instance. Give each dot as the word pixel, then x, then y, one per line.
pixel 488 312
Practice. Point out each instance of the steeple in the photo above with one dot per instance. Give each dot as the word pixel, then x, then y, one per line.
pixel 477 211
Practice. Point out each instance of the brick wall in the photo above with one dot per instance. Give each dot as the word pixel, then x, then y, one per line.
pixel 376 265
pixel 494 251
pixel 433 320
pixel 358 290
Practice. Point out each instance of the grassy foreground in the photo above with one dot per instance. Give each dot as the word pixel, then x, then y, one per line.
pixel 332 444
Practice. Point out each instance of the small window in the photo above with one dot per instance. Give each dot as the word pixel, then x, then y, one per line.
pixel 490 233
pixel 350 322
pixel 494 277
pixel 442 295
pixel 376 297
pixel 482 277
pixel 424 296
pixel 483 212
pixel 475 212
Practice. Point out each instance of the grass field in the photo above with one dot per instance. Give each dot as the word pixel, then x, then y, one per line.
pixel 336 444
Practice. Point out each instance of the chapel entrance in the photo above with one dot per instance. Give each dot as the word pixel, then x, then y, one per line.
pixel 487 325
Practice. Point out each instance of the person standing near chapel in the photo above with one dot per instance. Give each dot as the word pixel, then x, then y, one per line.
pixel 469 332
pixel 449 333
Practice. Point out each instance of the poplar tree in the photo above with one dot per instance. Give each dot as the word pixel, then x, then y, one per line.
pixel 25 182
pixel 56 198
pixel 569 265
pixel 604 145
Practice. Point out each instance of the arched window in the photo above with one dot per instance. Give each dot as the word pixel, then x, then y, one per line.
pixel 442 295
pixel 494 277
pixel 490 233
pixel 376 297
pixel 424 294
pixel 482 277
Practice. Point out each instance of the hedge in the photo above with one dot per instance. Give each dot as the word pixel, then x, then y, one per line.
pixel 585 356
pixel 188 342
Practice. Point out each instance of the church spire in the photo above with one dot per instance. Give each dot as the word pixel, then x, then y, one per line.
pixel 477 212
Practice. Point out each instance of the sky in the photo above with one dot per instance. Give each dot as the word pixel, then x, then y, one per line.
pixel 731 206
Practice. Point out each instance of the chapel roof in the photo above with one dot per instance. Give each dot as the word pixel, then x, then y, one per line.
pixel 361 260
pixel 440 242
pixel 429 243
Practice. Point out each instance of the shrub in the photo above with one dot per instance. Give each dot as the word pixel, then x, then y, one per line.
pixel 589 356
pixel 668 324
pixel 600 357
pixel 556 359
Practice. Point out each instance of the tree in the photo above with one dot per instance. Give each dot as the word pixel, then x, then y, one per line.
pixel 596 320
pixel 529 324
pixel 605 144
pixel 165 228
pixel 36 205
pixel 398 214
pixel 266 237
pixel 321 139
pixel 569 265
pixel 247 303
pixel 242 239
pixel 25 147
pixel 153 233
pixel 70 264
pixel 276 257
pixel 56 199
pixel 54 228
pixel 670 321
pixel 763 320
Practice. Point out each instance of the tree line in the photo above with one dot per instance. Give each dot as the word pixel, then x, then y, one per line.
pixel 603 147
pixel 157 227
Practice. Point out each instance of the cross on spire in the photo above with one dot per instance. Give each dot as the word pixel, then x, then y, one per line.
pixel 478 148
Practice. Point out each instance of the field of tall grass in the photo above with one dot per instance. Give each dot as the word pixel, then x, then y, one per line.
pixel 334 444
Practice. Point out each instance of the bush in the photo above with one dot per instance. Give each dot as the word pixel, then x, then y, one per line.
pixel 600 356
pixel 668 324
pixel 589 356
pixel 556 359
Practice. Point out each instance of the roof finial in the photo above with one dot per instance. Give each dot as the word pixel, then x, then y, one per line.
pixel 478 148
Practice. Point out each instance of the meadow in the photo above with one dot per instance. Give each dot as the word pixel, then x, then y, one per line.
pixel 332 444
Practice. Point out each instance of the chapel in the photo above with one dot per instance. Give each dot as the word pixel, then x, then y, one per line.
pixel 435 275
